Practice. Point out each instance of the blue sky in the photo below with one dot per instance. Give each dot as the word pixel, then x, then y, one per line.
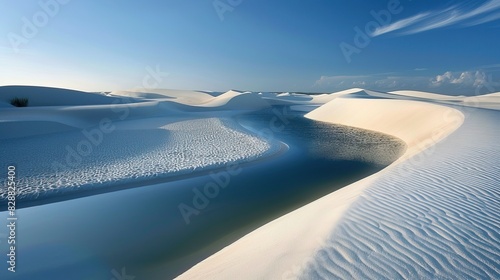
pixel 284 45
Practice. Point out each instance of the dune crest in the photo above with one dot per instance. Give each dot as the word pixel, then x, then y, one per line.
pixel 47 96
pixel 419 125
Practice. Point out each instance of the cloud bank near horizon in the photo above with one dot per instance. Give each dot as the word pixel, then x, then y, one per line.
pixel 455 83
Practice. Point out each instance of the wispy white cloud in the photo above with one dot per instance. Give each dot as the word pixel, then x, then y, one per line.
pixel 486 12
pixel 399 24
pixel 486 19
pixel 443 19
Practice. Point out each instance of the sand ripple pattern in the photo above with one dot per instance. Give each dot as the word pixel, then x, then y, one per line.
pixel 127 155
pixel 436 216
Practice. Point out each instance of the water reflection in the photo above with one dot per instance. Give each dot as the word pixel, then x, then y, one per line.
pixel 327 141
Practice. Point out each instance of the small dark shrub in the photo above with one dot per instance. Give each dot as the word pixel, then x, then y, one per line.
pixel 19 102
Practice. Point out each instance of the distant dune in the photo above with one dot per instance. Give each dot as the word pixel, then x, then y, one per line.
pixel 46 96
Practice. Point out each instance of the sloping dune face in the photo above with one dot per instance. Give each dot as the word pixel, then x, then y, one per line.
pixel 59 144
pixel 434 216
pixel 190 97
pixel 426 95
pixel 284 247
pixel 234 100
pixel 490 101
pixel 46 96
pixel 419 124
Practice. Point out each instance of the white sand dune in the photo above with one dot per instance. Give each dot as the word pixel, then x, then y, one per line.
pixel 46 96
pixel 299 99
pixel 323 98
pixel 267 94
pixel 234 100
pixel 490 101
pixel 294 96
pixel 347 91
pixel 18 129
pixel 363 93
pixel 431 216
pixel 434 216
pixel 400 94
pixel 487 101
pixel 189 97
pixel 304 108
pixel 427 95
pixel 198 100
pixel 147 135
pixel 494 95
pixel 419 124
pixel 155 148
pixel 21 122
pixel 53 110
pixel 56 116
pixel 310 100
pixel 5 105
pixel 320 99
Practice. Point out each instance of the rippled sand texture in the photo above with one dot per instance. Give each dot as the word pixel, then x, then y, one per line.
pixel 55 162
pixel 435 216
